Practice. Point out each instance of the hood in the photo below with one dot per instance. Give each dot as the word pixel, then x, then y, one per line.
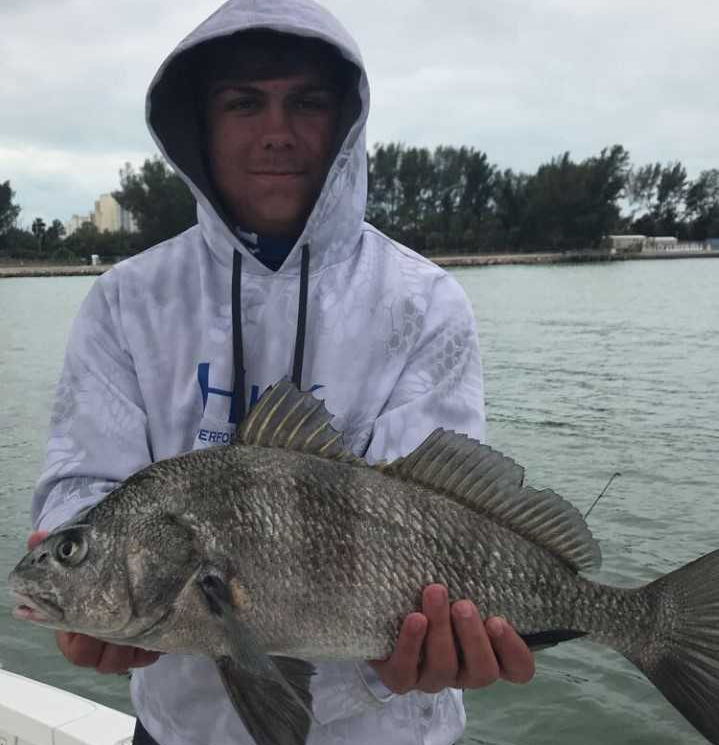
pixel 333 227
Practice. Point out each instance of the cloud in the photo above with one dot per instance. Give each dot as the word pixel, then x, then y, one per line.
pixel 523 80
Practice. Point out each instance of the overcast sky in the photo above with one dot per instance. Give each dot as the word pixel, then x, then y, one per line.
pixel 523 80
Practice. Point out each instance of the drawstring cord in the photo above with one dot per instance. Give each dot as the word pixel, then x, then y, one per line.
pixel 238 387
pixel 301 318
pixel 239 410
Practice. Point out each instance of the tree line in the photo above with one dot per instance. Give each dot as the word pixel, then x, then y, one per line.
pixel 442 201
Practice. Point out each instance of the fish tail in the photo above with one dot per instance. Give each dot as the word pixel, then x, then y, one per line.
pixel 682 657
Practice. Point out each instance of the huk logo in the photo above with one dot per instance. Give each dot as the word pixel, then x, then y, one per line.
pixel 207 390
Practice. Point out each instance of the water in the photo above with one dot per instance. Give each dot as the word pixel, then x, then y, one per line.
pixel 589 369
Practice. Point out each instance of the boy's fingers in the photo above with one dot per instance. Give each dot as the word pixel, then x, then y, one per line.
pixel 516 661
pixel 400 671
pixel 479 667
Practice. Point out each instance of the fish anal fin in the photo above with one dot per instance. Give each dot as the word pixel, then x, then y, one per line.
pixel 546 639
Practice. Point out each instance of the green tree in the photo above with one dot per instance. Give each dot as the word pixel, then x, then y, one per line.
pixel 18 244
pixel 415 178
pixel 84 242
pixel 642 186
pixel 384 190
pixel 702 206
pixel 8 211
pixel 444 224
pixel 38 230
pixel 53 236
pixel 511 205
pixel 572 206
pixel 474 199
pixel 434 201
pixel 158 199
pixel 671 193
pixel 656 194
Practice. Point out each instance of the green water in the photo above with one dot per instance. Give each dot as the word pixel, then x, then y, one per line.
pixel 589 369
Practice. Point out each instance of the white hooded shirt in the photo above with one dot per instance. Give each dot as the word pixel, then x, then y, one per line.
pixel 390 345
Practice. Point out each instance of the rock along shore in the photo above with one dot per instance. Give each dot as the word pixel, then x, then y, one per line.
pixel 567 257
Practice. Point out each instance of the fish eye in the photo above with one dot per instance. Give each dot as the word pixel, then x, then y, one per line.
pixel 70 551
pixel 67 549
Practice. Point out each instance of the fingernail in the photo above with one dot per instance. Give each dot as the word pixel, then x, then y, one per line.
pixel 437 597
pixel 415 624
pixel 464 609
pixel 495 627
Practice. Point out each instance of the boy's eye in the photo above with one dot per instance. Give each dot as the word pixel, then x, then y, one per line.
pixel 241 104
pixel 312 103
pixel 315 102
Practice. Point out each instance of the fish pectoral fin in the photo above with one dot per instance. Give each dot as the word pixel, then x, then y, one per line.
pixel 270 694
pixel 546 639
pixel 276 710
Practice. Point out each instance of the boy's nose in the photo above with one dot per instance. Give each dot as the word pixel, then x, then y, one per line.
pixel 278 133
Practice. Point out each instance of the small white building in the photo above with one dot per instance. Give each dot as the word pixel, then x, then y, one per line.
pixel 625 243
pixel 661 243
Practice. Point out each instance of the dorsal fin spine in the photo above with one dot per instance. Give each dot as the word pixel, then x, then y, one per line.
pixel 261 421
pixel 329 443
pixel 263 425
pixel 307 415
pixel 426 466
pixel 469 478
pixel 451 466
pixel 458 474
pixel 290 419
pixel 281 425
pixel 319 429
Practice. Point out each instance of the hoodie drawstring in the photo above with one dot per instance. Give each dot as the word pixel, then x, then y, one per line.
pixel 301 318
pixel 238 389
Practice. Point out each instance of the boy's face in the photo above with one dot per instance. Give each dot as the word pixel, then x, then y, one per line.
pixel 269 146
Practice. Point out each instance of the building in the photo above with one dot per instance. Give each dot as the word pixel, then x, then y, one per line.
pixel 628 244
pixel 75 222
pixel 110 216
pixel 661 243
pixel 619 244
pixel 107 216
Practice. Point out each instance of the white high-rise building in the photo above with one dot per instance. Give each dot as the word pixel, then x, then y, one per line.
pixel 107 215
pixel 110 216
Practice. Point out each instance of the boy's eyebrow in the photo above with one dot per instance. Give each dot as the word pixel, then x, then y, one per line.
pixel 248 88
pixel 237 87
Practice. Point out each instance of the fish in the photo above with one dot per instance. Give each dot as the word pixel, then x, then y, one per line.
pixel 283 549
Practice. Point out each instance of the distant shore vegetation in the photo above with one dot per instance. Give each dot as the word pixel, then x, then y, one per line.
pixel 448 200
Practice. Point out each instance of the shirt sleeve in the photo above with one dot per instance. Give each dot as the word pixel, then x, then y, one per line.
pixel 98 428
pixel 440 386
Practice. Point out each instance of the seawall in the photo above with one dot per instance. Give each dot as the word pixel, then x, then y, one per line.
pixel 567 257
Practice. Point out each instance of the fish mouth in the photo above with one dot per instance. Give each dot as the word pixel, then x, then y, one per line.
pixel 36 609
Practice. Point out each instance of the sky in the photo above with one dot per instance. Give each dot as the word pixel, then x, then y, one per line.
pixel 522 80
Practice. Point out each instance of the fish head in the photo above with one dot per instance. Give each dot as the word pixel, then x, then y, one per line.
pixel 114 581
pixel 56 583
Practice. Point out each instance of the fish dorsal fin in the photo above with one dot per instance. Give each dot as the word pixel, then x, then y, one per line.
pixel 488 482
pixel 288 418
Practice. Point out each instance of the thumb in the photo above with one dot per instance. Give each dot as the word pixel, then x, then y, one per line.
pixel 35 538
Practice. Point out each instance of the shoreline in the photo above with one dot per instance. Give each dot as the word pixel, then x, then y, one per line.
pixel 8 271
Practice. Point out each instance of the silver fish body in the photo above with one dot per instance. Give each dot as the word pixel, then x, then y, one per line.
pixel 283 547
